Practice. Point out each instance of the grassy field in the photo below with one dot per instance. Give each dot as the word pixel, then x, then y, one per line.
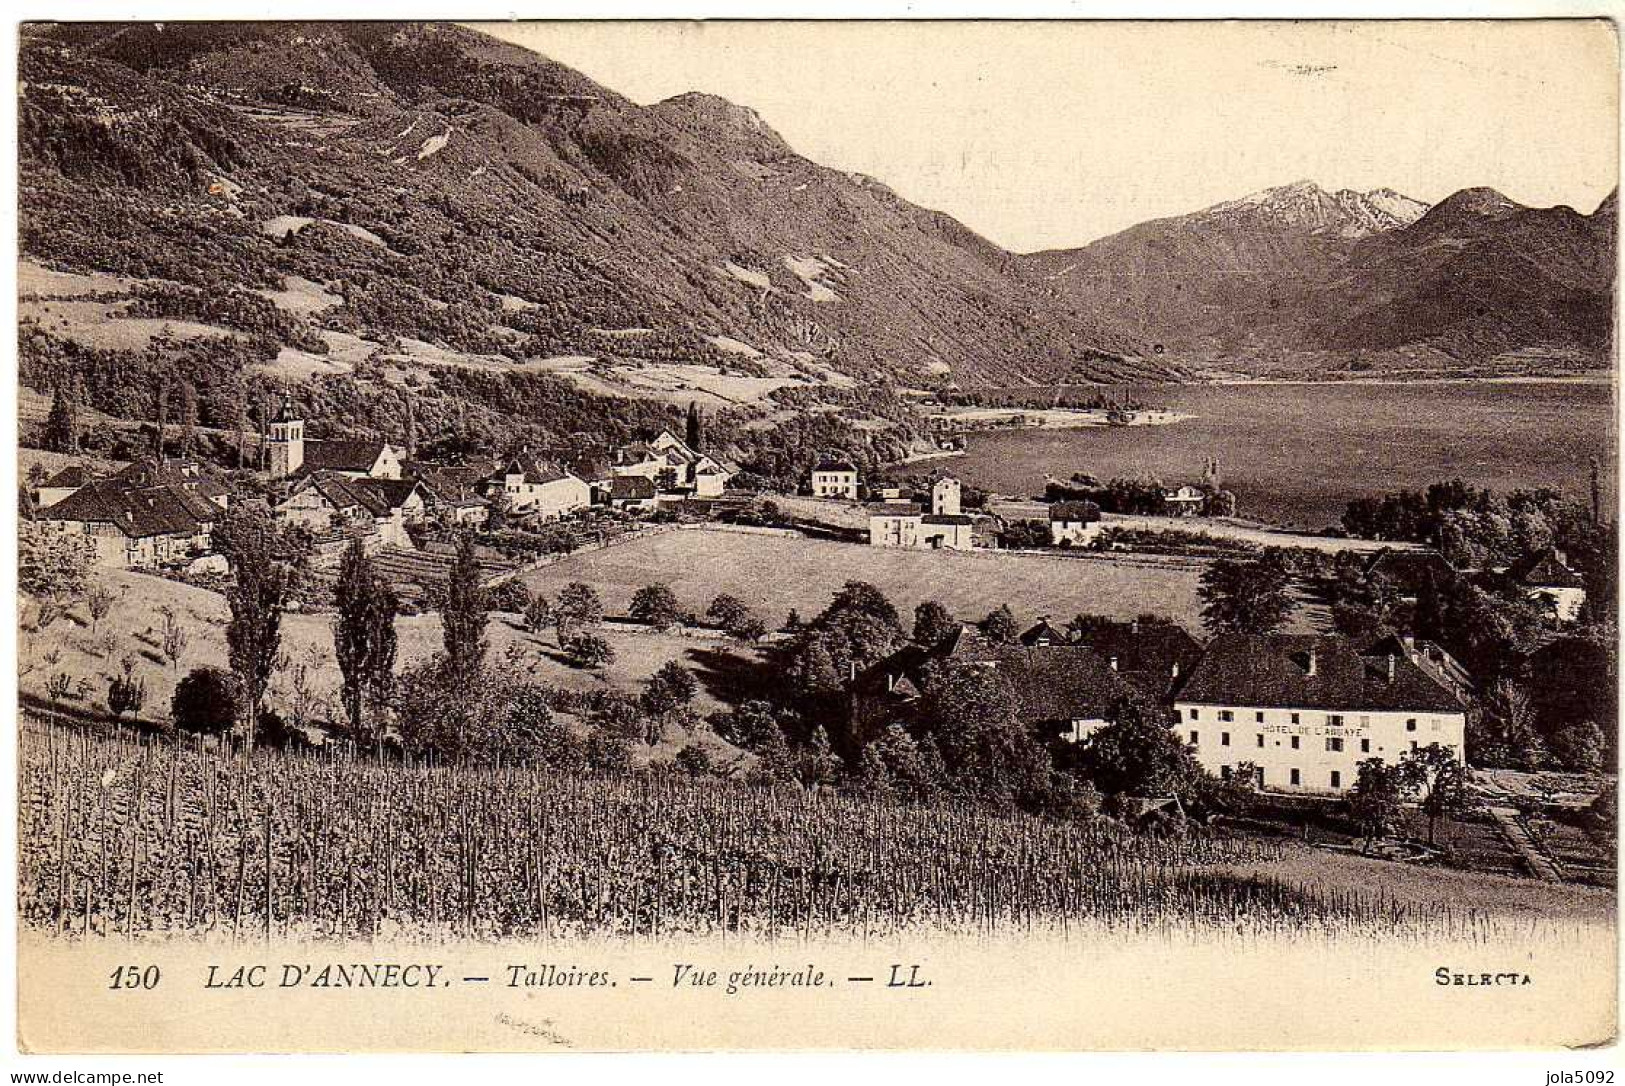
pixel 775 573
pixel 135 628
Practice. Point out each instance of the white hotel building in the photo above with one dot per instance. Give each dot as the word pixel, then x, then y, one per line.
pixel 1305 710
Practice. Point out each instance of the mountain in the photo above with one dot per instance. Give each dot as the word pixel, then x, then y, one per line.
pixel 1301 281
pixel 455 191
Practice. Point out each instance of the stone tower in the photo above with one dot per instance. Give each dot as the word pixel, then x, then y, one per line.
pixel 945 497
pixel 287 444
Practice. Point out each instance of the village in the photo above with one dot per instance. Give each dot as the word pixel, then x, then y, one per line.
pixel 1294 708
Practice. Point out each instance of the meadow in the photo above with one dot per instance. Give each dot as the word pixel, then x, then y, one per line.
pixel 134 628
pixel 1296 454
pixel 125 836
pixel 775 574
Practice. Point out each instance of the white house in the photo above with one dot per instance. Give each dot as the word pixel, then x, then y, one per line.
pixel 1546 578
pixel 674 467
pixel 1186 501
pixel 1073 524
pixel 539 487
pixel 904 524
pixel 1305 710
pixel 835 479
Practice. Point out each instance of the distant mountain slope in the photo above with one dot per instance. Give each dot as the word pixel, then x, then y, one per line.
pixel 461 191
pixel 1296 279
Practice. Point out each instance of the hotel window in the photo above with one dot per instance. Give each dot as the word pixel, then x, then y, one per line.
pixel 1294 718
pixel 1260 738
pixel 1259 716
pixel 1295 777
pixel 1410 725
pixel 1365 720
pixel 1224 739
pixel 1294 742
pixel 1194 739
pixel 1226 715
pixel 1334 720
pixel 1365 746
pixel 1334 744
pixel 1337 779
pixel 1194 715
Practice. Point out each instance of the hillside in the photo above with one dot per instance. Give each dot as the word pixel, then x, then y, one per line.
pixel 1297 280
pixel 427 208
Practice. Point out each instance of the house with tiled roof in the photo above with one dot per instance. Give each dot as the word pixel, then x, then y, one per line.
pixel 633 493
pixel 1305 709
pixel 677 470
pixel 538 487
pixel 1546 577
pixel 1062 690
pixel 1409 571
pixel 135 526
pixel 335 507
pixel 1155 655
pixel 451 492
pixel 63 483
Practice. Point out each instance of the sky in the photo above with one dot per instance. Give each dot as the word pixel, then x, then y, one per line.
pixel 1049 135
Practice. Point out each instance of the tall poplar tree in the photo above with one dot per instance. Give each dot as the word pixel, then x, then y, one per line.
pixel 363 637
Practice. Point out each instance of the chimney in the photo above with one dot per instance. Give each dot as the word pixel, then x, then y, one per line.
pixel 1134 626
pixel 1390 669
pixel 1114 663
pixel 1313 666
pixel 1409 641
pixel 1176 669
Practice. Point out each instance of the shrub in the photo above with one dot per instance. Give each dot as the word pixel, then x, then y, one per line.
pixel 206 702
pixel 695 761
pixel 509 596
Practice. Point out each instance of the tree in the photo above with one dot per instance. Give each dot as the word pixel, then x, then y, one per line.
pixel 932 623
pixel 206 702
pixel 732 615
pixel 590 651
pixel 173 639
pixel 364 640
pixel 694 435
pixel 1137 754
pixel 1581 746
pixel 656 605
pixel 533 735
pixel 189 419
pixel 578 607
pixel 1377 798
pixel 51 565
pixel 538 613
pixel 126 693
pixel 259 589
pixel 464 616
pixel 972 715
pixel 1000 626
pixel 1245 596
pixel 62 424
pixel 1438 776
pixel 99 602
pixel 694 760
pixel 671 687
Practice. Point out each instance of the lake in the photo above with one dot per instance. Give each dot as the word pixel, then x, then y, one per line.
pixel 1296 454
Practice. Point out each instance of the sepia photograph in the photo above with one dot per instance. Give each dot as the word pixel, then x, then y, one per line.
pixel 762 535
